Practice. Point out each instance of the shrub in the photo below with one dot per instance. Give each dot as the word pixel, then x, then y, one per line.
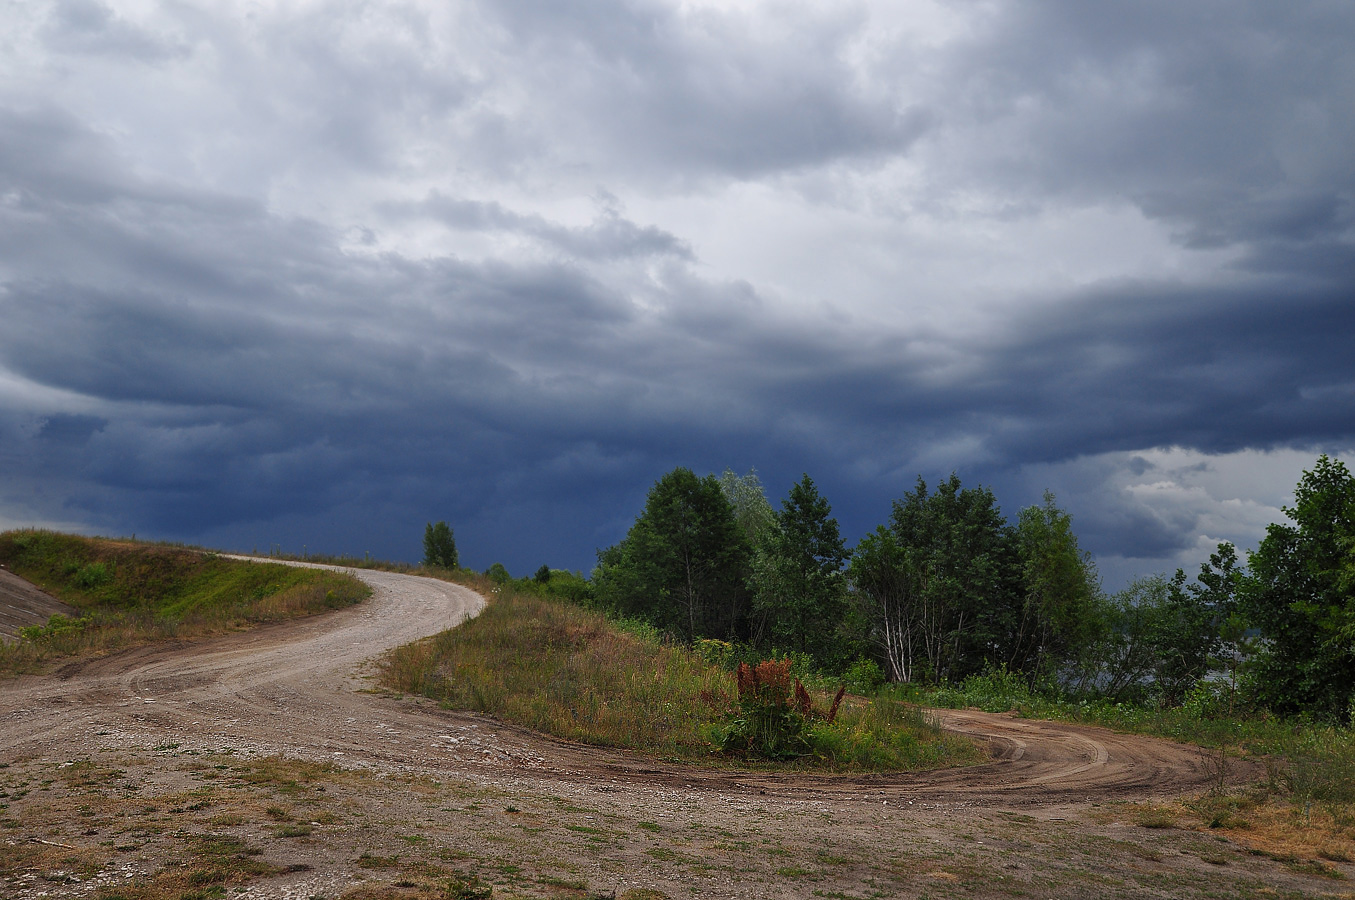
pixel 774 712
pixel 863 676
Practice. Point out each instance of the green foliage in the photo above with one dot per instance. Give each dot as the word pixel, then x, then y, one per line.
pixel 1058 619
pixel 1319 764
pixel 57 629
pixel 995 690
pixel 864 676
pixel 129 593
pixel 1300 595
pixel 748 501
pixel 886 589
pixel 714 652
pixel 683 564
pixel 439 546
pixel 961 571
pixel 542 575
pixel 800 592
pixel 498 574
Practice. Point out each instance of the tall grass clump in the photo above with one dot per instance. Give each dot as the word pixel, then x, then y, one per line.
pixel 569 672
pixel 128 593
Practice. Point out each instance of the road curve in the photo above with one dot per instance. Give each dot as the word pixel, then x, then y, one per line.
pixel 304 688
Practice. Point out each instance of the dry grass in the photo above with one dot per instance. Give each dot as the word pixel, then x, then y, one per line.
pixel 564 671
pixel 570 673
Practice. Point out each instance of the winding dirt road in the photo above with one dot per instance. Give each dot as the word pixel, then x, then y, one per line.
pixel 304 689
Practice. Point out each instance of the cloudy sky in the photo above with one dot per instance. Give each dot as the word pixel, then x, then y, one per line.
pixel 316 273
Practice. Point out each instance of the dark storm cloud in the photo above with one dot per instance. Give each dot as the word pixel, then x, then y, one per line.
pixel 186 354
pixel 1235 122
pixel 653 88
pixel 253 383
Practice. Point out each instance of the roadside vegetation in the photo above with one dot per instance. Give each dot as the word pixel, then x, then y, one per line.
pixel 571 673
pixel 951 604
pixel 128 593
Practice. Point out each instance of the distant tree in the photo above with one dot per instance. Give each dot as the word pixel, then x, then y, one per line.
pixel 1300 594
pixel 683 565
pixel 800 595
pixel 885 587
pixel 1058 619
pixel 542 575
pixel 439 547
pixel 1160 634
pixel 749 503
pixel 1194 642
pixel 1126 654
pixel 498 574
pixel 965 559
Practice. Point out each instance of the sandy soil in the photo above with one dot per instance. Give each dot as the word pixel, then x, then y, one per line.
pixel 1050 814
pixel 22 604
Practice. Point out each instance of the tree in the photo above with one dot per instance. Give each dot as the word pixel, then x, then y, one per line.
pixel 886 587
pixel 683 564
pixel 1299 594
pixel 749 503
pixel 1126 653
pixel 1194 643
pixel 1058 618
pixel 965 561
pixel 799 595
pixel 439 547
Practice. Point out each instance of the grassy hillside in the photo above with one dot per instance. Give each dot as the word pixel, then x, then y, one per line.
pixel 129 593
pixel 571 673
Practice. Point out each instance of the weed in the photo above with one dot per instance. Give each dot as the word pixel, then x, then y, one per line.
pixel 294 830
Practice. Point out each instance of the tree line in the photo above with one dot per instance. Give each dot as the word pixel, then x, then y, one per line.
pixel 949 588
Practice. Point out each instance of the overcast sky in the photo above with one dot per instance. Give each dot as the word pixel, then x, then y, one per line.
pixel 317 273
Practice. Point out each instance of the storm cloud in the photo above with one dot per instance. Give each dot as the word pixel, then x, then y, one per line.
pixel 318 275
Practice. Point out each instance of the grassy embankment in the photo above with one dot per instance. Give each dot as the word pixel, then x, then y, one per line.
pixel 129 593
pixel 571 673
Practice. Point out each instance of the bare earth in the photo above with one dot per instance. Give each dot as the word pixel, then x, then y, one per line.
pixel 22 604
pixel 116 769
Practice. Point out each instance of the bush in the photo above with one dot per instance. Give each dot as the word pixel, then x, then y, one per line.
pixel 863 676
pixel 996 690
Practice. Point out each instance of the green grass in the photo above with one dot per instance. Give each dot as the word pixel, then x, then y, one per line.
pixel 128 593
pixel 571 673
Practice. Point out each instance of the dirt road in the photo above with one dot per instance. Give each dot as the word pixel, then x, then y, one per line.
pixel 304 690
pixel 298 688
